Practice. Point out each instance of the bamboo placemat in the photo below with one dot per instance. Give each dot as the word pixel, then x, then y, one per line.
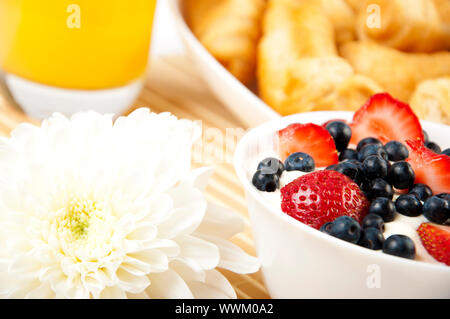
pixel 173 85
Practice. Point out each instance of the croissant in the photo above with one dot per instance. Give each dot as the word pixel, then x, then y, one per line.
pixel 301 27
pixel 342 17
pixel 407 25
pixel 443 8
pixel 349 94
pixel 356 5
pixel 298 66
pixel 431 100
pixel 398 72
pixel 229 30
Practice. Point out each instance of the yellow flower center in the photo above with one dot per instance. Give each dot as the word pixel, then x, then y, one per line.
pixel 84 228
pixel 77 217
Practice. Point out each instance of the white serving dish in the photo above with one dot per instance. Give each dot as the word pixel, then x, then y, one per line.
pixel 242 102
pixel 301 262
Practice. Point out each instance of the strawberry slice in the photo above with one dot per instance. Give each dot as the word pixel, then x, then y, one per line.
pixel 431 169
pixel 387 119
pixel 308 138
pixel 321 197
pixel 436 240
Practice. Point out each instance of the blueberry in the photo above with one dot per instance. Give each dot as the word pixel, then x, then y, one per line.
pixel 408 205
pixel 400 245
pixel 341 134
pixel 446 152
pixel 331 167
pixel 349 169
pixel 384 208
pixel 421 191
pixel 401 175
pixel 426 137
pixel 445 196
pixel 356 162
pixel 396 151
pixel 359 165
pixel 265 182
pixel 372 149
pixel 365 186
pixel 271 165
pixel 374 166
pixel 433 146
pixel 371 238
pixel 368 140
pixel 299 162
pixel 374 220
pixel 348 154
pixel 436 209
pixel 380 188
pixel 326 228
pixel 346 228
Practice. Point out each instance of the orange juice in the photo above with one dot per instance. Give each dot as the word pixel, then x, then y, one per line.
pixel 76 44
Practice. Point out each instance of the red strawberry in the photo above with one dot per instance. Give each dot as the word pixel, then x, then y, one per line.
pixel 308 138
pixel 431 169
pixel 387 119
pixel 436 240
pixel 321 197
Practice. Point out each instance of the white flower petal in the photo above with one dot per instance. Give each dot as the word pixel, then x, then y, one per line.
pixel 106 275
pixel 130 282
pixel 219 221
pixel 205 254
pixel 113 293
pixel 42 291
pixel 74 290
pixel 189 209
pixel 93 284
pixel 160 209
pixel 8 154
pixel 188 270
pixel 24 263
pixel 216 286
pixel 199 177
pixel 135 266
pixel 182 222
pixel 168 285
pixel 174 139
pixel 232 257
pixel 23 134
pixel 142 295
pixel 143 231
pixel 22 288
pixel 146 261
pixel 168 247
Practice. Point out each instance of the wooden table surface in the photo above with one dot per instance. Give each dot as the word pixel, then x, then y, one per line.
pixel 173 85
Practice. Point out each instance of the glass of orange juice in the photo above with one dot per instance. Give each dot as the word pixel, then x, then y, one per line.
pixel 72 55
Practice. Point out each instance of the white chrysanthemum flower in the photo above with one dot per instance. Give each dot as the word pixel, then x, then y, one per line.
pixel 92 209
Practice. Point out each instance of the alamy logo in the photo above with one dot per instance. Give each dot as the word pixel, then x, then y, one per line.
pixel 74 19
pixel 374 278
pixel 373 20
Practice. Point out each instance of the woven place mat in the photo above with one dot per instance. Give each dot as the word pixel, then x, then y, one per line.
pixel 173 85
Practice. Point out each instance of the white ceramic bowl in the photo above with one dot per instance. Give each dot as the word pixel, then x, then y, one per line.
pixel 244 104
pixel 301 262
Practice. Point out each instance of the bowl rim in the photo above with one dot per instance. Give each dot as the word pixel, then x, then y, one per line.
pixel 272 126
pixel 176 8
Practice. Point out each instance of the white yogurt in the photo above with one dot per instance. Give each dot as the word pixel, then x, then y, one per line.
pixel 404 225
